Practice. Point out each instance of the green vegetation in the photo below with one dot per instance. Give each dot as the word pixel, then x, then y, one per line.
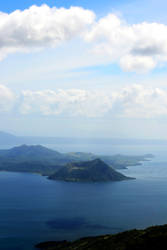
pixel 35 159
pixel 38 159
pixel 88 171
pixel 152 238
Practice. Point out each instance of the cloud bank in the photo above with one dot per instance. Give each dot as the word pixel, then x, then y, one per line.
pixel 135 47
pixel 72 102
pixel 134 101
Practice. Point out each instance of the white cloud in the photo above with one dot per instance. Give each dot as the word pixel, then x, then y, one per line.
pixel 134 101
pixel 40 27
pixel 139 102
pixel 137 47
pixel 140 64
pixel 73 102
pixel 7 99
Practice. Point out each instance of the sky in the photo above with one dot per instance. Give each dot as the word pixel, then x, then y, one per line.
pixel 84 68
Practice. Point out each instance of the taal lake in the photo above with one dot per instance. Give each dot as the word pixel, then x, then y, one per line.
pixel 35 209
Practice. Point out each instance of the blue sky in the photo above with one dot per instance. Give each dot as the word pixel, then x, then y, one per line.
pixel 106 5
pixel 97 69
pixel 133 10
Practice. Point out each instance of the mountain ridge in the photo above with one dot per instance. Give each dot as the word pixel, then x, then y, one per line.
pixel 39 159
pixel 152 238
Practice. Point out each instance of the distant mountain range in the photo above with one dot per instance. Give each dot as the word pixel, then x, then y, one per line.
pixel 37 154
pixel 9 139
pixel 70 166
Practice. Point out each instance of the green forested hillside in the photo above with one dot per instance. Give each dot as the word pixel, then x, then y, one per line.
pixel 152 238
pixel 39 159
pixel 88 171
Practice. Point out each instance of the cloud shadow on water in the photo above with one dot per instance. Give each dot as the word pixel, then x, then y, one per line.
pixel 76 224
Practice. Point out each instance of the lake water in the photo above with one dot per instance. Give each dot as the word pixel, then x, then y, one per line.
pixel 35 209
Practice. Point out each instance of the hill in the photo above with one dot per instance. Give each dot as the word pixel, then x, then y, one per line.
pixel 152 238
pixel 39 159
pixel 33 152
pixel 89 171
pixel 35 159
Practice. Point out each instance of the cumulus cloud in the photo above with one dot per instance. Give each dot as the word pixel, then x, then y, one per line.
pixel 134 101
pixel 139 102
pixel 73 102
pixel 40 27
pixel 7 99
pixel 137 47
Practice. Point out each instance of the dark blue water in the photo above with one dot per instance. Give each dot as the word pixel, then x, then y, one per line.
pixel 34 209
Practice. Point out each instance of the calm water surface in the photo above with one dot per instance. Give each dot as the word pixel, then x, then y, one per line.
pixel 34 209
